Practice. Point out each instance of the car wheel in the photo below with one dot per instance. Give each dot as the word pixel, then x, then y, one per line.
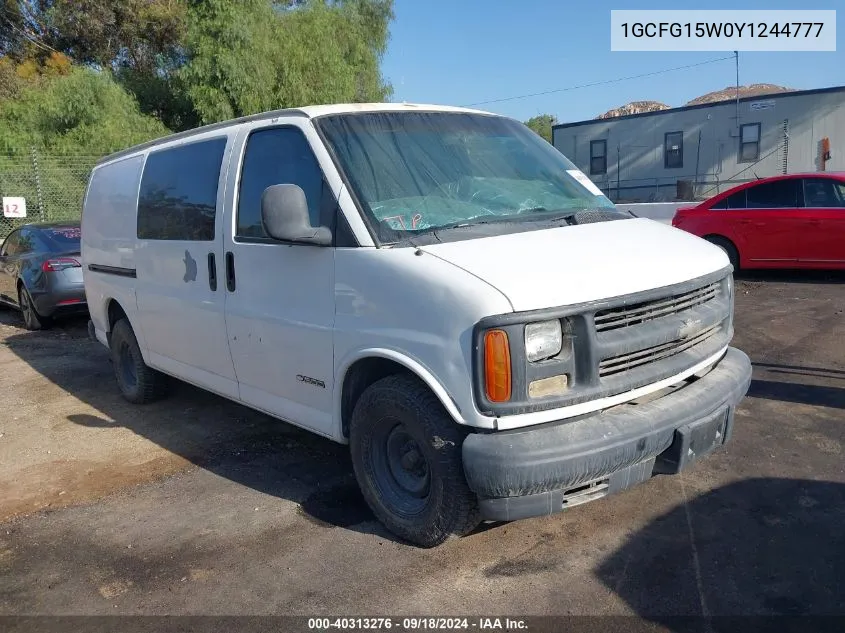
pixel 31 319
pixel 406 453
pixel 139 383
pixel 727 246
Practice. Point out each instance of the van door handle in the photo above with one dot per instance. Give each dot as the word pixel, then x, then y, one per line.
pixel 212 272
pixel 230 271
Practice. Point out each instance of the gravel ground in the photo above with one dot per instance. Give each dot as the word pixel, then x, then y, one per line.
pixel 196 505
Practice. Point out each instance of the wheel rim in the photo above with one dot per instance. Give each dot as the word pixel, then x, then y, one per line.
pixel 126 366
pixel 400 467
pixel 26 308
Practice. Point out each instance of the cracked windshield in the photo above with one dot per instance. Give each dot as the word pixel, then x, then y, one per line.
pixel 415 173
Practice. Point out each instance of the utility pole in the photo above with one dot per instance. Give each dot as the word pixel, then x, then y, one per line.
pixel 697 165
pixel 618 153
pixel 37 175
pixel 736 58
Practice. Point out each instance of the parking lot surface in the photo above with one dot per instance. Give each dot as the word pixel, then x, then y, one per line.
pixel 196 505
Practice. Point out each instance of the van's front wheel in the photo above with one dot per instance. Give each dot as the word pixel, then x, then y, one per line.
pixel 139 383
pixel 406 452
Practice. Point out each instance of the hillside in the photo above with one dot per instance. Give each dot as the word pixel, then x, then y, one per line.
pixel 635 107
pixel 729 93
pixel 726 94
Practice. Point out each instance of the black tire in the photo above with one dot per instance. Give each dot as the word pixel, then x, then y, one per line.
pixel 726 245
pixel 138 383
pixel 32 321
pixel 406 453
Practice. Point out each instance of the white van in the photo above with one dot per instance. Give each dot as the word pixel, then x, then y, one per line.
pixel 437 287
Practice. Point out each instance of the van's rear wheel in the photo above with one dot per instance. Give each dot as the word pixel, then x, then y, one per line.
pixel 138 383
pixel 406 452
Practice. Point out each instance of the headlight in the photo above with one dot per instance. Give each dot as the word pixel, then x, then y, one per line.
pixel 543 340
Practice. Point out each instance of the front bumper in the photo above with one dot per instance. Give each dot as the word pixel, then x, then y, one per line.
pixel 546 469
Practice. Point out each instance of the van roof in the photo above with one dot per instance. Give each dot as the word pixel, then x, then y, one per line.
pixel 310 112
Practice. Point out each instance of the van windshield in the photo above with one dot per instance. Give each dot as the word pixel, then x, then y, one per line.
pixel 420 172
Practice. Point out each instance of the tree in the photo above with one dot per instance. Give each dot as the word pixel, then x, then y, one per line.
pixel 248 56
pixel 188 62
pixel 230 69
pixel 344 66
pixel 17 76
pixel 103 33
pixel 139 41
pixel 138 34
pixel 83 112
pixel 17 30
pixel 542 125
pixel 65 122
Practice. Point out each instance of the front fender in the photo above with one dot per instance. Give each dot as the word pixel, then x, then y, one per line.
pixel 411 364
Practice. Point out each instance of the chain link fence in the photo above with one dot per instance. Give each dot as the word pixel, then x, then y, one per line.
pixel 44 187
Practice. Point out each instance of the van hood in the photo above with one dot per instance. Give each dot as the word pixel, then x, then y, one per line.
pixel 588 262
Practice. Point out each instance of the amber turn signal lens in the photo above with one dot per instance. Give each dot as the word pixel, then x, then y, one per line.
pixel 497 366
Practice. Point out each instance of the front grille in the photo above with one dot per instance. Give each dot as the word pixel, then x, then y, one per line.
pixel 646 340
pixel 624 362
pixel 625 316
pixel 620 345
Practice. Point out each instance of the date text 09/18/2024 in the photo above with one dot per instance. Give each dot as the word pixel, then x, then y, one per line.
pixel 417 624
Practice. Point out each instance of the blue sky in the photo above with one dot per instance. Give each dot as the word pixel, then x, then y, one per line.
pixel 460 52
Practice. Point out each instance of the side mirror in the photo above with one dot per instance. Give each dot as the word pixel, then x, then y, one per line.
pixel 284 214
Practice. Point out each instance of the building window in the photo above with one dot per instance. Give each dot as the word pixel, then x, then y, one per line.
pixel 598 157
pixel 673 150
pixel 749 142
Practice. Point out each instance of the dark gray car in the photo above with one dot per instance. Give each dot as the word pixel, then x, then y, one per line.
pixel 40 273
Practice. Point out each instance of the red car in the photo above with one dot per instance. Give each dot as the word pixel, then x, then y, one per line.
pixel 794 221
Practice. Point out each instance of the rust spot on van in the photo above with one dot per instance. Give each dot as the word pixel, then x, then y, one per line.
pixel 190 268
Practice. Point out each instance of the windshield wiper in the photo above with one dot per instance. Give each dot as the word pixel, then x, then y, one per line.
pixel 537 214
pixel 534 214
pixel 563 216
pixel 491 219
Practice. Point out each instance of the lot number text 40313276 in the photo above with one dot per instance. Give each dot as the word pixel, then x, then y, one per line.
pixel 417 624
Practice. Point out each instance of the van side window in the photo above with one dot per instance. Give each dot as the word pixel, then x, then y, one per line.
pixel 178 197
pixel 277 156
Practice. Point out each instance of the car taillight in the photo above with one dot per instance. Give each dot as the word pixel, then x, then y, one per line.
pixel 59 263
